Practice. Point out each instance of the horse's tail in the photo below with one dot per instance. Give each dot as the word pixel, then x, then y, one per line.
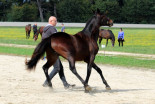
pixel 37 54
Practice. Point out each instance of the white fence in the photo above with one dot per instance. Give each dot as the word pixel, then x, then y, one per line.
pixel 77 24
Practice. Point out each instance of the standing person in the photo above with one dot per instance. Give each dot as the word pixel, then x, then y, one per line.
pixel 48 30
pixel 63 28
pixel 34 29
pixel 121 37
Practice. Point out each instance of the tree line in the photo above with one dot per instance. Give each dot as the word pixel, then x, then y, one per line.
pixel 120 11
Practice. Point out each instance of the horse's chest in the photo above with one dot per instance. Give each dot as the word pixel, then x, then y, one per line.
pixel 93 48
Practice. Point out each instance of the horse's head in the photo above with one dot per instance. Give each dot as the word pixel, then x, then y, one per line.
pixel 29 27
pixel 103 19
pixel 113 42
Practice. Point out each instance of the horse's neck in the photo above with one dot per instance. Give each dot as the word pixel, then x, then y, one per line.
pixel 92 30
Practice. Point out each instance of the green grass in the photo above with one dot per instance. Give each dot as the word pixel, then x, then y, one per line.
pixel 125 61
pixel 136 41
pixel 16 51
pixel 100 58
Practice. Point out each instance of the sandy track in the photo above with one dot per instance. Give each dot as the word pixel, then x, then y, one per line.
pixel 129 86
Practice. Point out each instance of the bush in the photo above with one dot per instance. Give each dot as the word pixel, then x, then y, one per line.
pixel 23 13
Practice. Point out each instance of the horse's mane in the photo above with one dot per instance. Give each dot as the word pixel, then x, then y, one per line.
pixel 88 22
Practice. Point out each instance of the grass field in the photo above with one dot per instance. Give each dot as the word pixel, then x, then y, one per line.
pixel 136 41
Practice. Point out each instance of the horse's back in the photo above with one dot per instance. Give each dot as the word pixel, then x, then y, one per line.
pixel 65 44
pixel 104 34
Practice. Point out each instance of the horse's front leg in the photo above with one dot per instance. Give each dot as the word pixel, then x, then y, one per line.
pixel 45 68
pixel 107 43
pixel 26 34
pixel 102 77
pixel 73 69
pixel 89 67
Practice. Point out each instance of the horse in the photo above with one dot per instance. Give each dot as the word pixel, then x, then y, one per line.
pixel 81 46
pixel 106 34
pixel 28 30
pixel 40 30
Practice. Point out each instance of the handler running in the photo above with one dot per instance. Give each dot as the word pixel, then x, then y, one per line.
pixel 47 32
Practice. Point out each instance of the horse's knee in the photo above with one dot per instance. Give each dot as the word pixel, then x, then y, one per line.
pixel 45 67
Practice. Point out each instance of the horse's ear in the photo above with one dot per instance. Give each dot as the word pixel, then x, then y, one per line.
pixel 98 11
pixel 93 11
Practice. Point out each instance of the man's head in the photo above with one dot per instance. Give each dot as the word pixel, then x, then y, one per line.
pixel 121 29
pixel 52 20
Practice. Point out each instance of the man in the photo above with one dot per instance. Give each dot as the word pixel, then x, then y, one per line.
pixel 48 30
pixel 63 28
pixel 34 29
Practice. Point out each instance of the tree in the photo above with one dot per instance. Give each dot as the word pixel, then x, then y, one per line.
pixel 74 10
pixel 4 7
pixel 40 10
pixel 139 11
pixel 25 12
pixel 111 7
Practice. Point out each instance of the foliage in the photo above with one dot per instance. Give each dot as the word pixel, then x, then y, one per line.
pixel 25 12
pixel 121 11
pixel 139 11
pixel 73 10
pixel 110 7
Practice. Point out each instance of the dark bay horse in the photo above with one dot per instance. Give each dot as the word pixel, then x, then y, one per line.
pixel 79 47
pixel 40 30
pixel 106 34
pixel 28 30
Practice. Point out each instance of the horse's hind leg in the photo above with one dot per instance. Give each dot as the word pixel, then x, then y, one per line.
pixel 100 39
pixel 45 68
pixel 100 72
pixel 26 34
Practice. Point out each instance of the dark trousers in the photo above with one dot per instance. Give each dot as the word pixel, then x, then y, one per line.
pixel 120 41
pixel 34 32
pixel 58 68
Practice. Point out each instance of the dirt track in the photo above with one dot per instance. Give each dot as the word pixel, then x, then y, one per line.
pixel 129 85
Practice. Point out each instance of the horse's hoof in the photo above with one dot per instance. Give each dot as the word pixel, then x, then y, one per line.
pixel 87 88
pixel 108 88
pixel 47 85
pixel 69 86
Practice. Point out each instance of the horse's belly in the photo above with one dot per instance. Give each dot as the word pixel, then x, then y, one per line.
pixel 81 56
